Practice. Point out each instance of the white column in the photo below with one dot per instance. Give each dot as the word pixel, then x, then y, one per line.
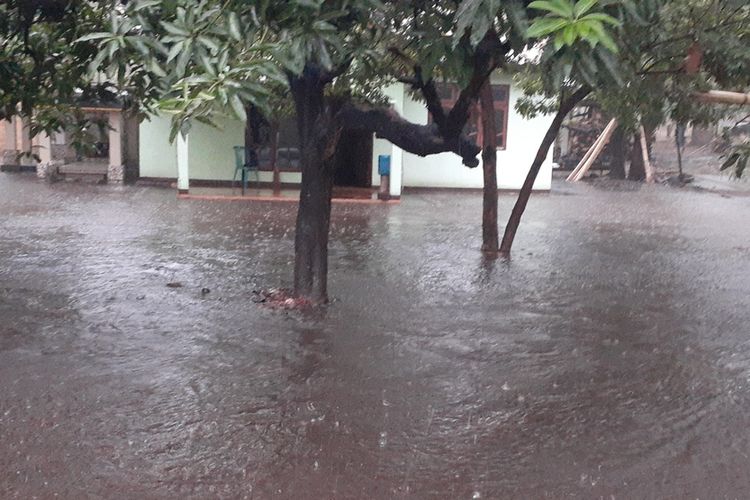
pixel 397 154
pixel 397 162
pixel 44 141
pixel 9 152
pixel 116 170
pixel 44 150
pixel 23 135
pixel 183 172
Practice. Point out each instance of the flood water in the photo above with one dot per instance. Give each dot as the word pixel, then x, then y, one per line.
pixel 611 358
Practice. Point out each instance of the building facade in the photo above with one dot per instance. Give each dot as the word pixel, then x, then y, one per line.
pixel 206 155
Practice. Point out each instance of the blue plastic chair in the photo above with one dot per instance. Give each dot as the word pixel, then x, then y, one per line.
pixel 245 165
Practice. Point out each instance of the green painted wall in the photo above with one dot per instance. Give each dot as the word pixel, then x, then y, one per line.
pixel 211 156
pixel 210 150
pixel 158 158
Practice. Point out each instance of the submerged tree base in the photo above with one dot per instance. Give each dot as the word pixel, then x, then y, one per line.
pixel 282 298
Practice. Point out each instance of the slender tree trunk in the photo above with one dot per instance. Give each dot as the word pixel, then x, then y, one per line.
pixel 618 147
pixel 314 213
pixel 679 140
pixel 566 105
pixel 274 157
pixel 253 131
pixel 489 166
pixel 637 170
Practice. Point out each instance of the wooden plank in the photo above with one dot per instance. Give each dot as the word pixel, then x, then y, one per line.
pixel 585 158
pixel 603 140
pixel 723 97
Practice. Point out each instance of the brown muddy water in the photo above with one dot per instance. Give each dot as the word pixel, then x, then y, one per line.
pixel 610 359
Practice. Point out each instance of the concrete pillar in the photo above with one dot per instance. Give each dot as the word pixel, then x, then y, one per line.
pixel 23 135
pixel 397 154
pixel 116 170
pixel 44 150
pixel 183 170
pixel 9 143
pixel 397 162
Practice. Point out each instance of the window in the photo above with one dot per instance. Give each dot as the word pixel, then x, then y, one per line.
pixel 287 146
pixel 449 92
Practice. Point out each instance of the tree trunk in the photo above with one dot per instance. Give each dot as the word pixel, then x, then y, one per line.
pixel 679 140
pixel 274 157
pixel 489 166
pixel 637 170
pixel 314 213
pixel 566 105
pixel 618 149
pixel 311 238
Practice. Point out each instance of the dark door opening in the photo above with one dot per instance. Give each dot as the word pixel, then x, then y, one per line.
pixel 353 162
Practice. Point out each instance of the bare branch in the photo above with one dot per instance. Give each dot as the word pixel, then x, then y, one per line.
pixel 421 140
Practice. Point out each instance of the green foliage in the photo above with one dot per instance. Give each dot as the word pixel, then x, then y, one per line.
pixel 40 65
pixel 738 157
pixel 571 21
pixel 198 59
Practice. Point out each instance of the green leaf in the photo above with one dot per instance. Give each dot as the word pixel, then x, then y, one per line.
pixel 601 17
pixel 584 6
pixel 174 51
pixel 183 59
pixel 145 4
pixel 731 160
pixel 546 26
pixel 209 43
pixel 610 63
pixel 93 36
pixel 569 34
pixel 238 107
pixel 234 26
pixel 559 41
pixel 604 37
pixel 562 8
pixel 741 165
pixel 171 28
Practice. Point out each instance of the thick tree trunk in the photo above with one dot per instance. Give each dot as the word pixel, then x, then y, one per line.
pixel 314 213
pixel 637 170
pixel 566 105
pixel 311 238
pixel 618 149
pixel 489 166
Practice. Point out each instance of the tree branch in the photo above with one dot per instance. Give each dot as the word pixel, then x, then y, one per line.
pixel 487 56
pixel 421 140
pixel 427 88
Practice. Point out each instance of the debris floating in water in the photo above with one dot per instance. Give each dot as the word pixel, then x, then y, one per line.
pixel 280 298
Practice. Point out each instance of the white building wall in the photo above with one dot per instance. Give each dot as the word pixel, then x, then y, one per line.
pixel 211 156
pixel 446 170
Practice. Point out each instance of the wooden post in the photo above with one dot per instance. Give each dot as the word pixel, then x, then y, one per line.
pixel 723 97
pixel 274 155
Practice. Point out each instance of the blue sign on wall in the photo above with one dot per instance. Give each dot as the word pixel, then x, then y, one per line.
pixel 384 164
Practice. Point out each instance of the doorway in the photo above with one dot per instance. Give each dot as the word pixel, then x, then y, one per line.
pixel 353 161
